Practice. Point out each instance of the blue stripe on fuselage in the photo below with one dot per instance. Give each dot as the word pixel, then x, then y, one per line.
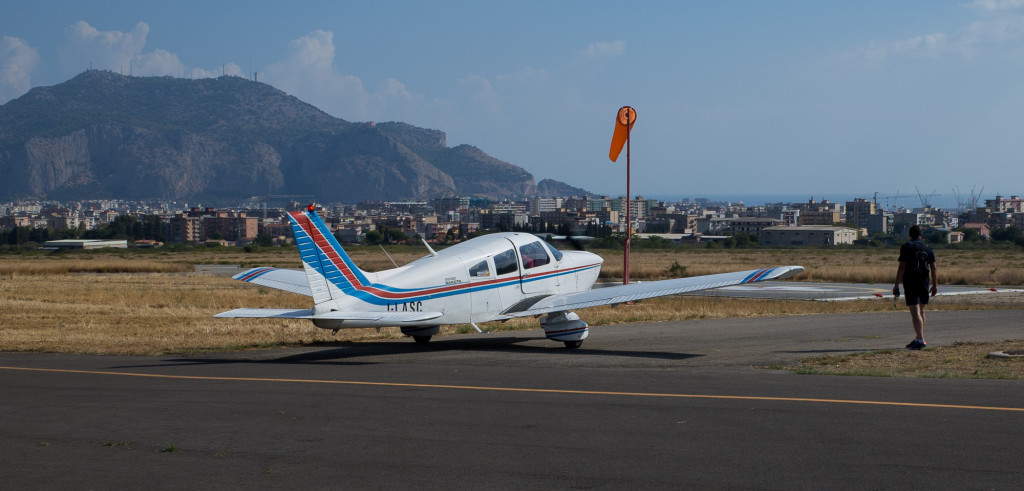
pixel 467 288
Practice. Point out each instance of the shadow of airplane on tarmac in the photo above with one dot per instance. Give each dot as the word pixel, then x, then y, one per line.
pixel 350 353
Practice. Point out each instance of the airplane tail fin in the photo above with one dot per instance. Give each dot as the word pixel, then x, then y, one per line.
pixel 331 273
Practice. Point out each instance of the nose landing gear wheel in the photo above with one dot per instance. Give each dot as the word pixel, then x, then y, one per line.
pixel 573 344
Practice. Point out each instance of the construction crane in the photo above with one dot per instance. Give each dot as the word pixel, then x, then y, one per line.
pixel 895 202
pixel 967 204
pixel 926 199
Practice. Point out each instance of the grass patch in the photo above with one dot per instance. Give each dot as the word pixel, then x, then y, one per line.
pixel 962 360
pixel 11 268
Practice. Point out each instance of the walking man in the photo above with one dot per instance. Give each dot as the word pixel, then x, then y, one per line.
pixel 917 262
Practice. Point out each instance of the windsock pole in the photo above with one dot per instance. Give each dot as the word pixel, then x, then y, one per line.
pixel 629 211
pixel 623 127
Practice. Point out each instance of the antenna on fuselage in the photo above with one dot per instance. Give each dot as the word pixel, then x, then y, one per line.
pixel 431 249
pixel 388 255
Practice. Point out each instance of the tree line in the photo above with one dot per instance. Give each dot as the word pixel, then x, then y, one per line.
pixel 122 227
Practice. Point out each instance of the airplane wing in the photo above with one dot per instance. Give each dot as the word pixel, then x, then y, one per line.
pixel 290 280
pixel 376 318
pixel 638 291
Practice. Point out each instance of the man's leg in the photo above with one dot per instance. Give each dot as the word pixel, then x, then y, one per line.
pixel 917 315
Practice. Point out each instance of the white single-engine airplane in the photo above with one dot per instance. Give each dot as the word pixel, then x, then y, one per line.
pixel 493 277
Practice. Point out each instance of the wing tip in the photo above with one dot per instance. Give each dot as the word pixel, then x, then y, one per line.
pixel 788 272
pixel 251 273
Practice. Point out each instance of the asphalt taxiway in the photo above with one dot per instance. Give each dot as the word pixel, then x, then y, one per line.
pixel 665 405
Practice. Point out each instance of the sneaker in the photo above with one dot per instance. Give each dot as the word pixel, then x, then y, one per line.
pixel 917 344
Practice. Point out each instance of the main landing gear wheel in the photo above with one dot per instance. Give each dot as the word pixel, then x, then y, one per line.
pixel 573 344
pixel 421 339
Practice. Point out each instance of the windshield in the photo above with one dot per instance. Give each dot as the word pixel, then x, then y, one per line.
pixel 554 252
pixel 533 255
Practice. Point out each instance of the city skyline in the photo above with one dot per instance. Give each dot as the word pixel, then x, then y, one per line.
pixel 905 201
pixel 783 98
pixel 446 219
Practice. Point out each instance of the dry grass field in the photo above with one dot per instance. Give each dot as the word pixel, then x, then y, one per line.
pixel 152 302
pixel 992 267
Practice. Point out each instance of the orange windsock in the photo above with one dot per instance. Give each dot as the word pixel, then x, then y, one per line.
pixel 623 124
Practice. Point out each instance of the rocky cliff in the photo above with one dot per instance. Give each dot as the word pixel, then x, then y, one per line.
pixel 103 135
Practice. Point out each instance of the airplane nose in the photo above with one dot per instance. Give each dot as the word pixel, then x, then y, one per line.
pixel 580 258
pixel 590 267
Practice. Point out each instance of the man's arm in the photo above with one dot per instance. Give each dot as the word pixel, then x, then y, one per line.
pixel 899 278
pixel 935 280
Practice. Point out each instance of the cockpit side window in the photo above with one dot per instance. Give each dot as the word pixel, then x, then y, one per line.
pixel 480 270
pixel 505 262
pixel 554 252
pixel 533 255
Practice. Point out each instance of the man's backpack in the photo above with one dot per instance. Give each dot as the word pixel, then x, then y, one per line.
pixel 919 260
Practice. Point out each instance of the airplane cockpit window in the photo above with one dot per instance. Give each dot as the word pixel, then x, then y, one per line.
pixel 554 252
pixel 505 262
pixel 533 255
pixel 480 270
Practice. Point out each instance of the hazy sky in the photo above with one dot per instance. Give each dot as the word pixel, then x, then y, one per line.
pixel 733 98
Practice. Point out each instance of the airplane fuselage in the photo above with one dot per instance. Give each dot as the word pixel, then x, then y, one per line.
pixel 474 281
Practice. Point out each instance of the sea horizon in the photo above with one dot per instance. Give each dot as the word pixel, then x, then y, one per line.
pixel 910 201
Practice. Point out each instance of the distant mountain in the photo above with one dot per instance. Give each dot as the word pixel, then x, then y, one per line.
pixel 550 188
pixel 103 135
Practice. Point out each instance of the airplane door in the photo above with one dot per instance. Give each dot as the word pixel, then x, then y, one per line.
pixel 538 268
pixel 506 270
pixel 485 300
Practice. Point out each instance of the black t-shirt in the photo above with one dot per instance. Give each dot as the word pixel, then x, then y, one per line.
pixel 908 253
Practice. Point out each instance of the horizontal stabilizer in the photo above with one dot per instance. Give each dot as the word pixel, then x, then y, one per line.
pixel 269 313
pixel 289 280
pixel 382 318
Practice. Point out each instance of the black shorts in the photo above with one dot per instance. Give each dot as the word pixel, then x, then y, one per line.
pixel 916 293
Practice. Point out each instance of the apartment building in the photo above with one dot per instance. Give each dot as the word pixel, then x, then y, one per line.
pixel 806 236
pixel 858 212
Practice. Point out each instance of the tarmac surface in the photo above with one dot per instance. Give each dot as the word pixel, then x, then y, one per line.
pixel 662 405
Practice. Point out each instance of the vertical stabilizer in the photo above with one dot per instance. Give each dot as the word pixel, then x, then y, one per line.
pixel 331 273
